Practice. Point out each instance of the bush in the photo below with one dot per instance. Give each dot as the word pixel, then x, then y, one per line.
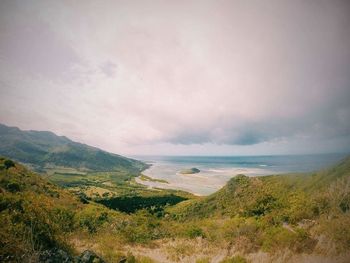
pixel 194 231
pixel 337 230
pixel 141 227
pixel 276 238
pixel 9 163
pixel 263 206
pixel 301 207
pixel 92 218
pixel 13 187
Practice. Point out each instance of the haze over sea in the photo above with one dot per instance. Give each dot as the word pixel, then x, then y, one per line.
pixel 215 171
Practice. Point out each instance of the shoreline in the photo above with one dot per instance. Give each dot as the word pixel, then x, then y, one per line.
pixel 215 172
pixel 197 184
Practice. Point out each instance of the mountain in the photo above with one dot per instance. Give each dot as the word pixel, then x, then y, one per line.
pixel 43 149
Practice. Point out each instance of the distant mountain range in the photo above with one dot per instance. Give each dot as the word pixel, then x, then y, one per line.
pixel 43 149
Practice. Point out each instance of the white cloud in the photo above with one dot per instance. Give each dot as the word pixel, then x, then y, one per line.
pixel 193 76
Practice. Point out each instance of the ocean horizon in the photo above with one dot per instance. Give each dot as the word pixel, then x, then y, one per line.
pixel 215 171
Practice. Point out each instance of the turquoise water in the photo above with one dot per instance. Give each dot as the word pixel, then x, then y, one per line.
pixel 217 170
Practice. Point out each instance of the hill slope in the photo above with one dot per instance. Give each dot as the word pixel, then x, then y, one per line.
pixel 43 149
pixel 295 213
pixel 287 218
pixel 271 195
pixel 42 222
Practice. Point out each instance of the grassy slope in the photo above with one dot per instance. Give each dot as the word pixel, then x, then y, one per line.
pixel 301 213
pixel 34 213
pixel 246 195
pixel 273 213
pixel 38 215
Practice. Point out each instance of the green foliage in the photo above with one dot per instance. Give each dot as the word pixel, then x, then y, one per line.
pixel 336 229
pixel 264 211
pixel 150 179
pixel 130 258
pixel 13 186
pixel 300 206
pixel 34 219
pixel 193 231
pixel 298 240
pixel 154 204
pixel 8 164
pixel 263 205
pixel 92 218
pixel 203 260
pixel 271 213
pixel 235 259
pixel 141 227
pixel 141 259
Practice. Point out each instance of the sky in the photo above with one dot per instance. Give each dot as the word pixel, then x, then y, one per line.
pixel 180 77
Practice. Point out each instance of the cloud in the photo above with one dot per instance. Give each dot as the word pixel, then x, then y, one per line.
pixel 108 68
pixel 28 43
pixel 129 76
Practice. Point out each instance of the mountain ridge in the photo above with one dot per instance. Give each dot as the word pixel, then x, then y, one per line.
pixel 41 149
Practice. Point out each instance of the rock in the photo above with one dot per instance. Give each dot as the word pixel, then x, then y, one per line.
pixel 90 257
pixel 55 256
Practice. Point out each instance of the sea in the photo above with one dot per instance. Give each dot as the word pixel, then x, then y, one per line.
pixel 215 171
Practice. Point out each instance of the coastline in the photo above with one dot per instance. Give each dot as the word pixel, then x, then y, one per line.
pixel 199 184
pixel 216 171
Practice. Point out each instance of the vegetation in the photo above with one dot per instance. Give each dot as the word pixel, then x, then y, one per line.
pixel 190 171
pixel 154 204
pixel 40 216
pixel 276 212
pixel 35 214
pixel 304 214
pixel 150 179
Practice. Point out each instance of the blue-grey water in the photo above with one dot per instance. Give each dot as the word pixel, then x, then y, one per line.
pixel 215 171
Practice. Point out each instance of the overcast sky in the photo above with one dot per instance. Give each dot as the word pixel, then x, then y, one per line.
pixel 180 77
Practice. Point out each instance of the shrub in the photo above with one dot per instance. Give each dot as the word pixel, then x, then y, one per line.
pixel 141 227
pixel 13 186
pixel 92 218
pixel 194 231
pixel 263 205
pixel 276 238
pixel 8 164
pixel 301 207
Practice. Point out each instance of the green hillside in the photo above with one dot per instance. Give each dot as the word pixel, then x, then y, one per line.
pixel 40 219
pixel 276 196
pixel 299 217
pixel 35 215
pixel 277 212
pixel 44 150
